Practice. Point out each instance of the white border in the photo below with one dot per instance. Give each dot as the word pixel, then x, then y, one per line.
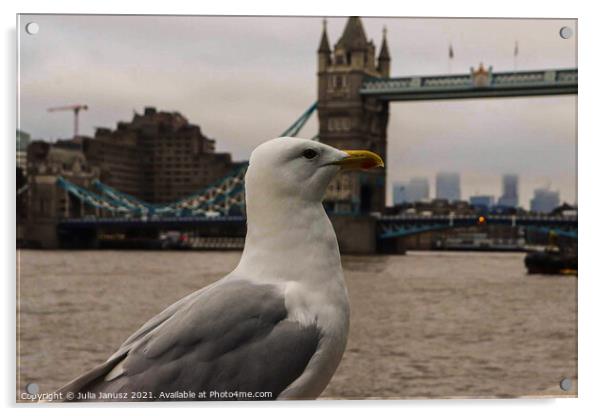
pixel 589 188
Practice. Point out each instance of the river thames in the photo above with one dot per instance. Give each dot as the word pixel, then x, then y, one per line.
pixel 427 324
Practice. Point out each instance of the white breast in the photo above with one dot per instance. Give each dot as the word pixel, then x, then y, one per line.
pixel 329 310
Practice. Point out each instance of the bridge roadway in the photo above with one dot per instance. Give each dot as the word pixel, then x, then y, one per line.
pixel 404 225
pixel 387 226
pixel 154 222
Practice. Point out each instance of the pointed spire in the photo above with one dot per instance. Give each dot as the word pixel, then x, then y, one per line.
pixel 324 44
pixel 384 47
pixel 353 37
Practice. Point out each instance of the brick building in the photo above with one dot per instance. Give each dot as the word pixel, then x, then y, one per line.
pixel 157 156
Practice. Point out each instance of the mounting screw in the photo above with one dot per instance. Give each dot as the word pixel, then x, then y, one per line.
pixel 566 384
pixel 32 28
pixel 566 32
pixel 32 388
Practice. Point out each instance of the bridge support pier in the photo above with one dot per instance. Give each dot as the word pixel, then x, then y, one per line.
pixel 41 233
pixel 391 246
pixel 356 234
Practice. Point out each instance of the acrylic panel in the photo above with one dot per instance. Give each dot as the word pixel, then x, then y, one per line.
pixel 457 275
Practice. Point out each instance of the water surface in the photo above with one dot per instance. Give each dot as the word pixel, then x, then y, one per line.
pixel 422 325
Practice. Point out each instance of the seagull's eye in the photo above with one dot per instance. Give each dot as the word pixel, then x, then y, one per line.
pixel 309 153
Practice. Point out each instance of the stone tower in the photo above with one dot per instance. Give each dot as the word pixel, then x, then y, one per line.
pixel 350 121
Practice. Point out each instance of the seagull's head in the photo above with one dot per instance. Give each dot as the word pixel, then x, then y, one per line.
pixel 289 167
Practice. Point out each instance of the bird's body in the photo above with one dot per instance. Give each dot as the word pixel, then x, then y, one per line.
pixel 275 327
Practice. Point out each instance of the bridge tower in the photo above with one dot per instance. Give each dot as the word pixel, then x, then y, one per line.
pixel 350 121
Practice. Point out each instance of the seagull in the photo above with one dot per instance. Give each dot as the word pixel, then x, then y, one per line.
pixel 275 327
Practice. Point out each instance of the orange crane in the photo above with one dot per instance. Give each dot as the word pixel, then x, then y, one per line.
pixel 76 108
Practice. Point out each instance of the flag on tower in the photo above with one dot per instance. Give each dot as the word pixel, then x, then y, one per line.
pixel 451 51
pixel 515 48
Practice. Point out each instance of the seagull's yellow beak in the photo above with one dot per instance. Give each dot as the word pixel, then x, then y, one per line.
pixel 360 159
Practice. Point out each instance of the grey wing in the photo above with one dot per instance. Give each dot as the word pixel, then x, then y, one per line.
pixel 233 337
pixel 157 320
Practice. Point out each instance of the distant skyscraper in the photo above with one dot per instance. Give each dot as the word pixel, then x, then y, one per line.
pixel 544 200
pixel 419 189
pixel 509 196
pixel 448 186
pixel 416 189
pixel 486 201
pixel 400 193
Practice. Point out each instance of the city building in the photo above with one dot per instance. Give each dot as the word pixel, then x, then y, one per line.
pixel 482 201
pixel 46 201
pixel 23 140
pixel 157 157
pixel 414 190
pixel 565 210
pixel 400 193
pixel 448 186
pixel 544 200
pixel 509 196
pixel 431 207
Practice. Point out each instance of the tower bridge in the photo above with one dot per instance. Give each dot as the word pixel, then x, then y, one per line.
pixel 354 92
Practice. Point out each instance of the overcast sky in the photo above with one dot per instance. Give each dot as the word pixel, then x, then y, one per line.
pixel 246 79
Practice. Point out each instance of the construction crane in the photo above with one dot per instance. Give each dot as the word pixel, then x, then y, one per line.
pixel 76 108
